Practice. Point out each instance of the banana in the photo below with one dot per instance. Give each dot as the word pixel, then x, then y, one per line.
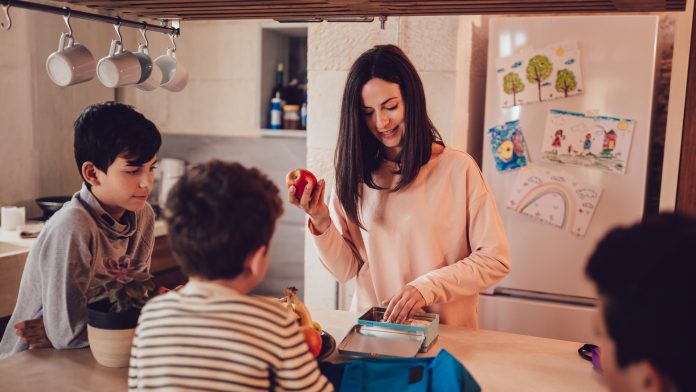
pixel 288 305
pixel 293 302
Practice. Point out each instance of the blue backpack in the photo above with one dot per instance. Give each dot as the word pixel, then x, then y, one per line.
pixel 442 373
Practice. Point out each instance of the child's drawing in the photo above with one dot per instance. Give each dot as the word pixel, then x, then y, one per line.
pixel 548 73
pixel 508 146
pixel 593 141
pixel 555 198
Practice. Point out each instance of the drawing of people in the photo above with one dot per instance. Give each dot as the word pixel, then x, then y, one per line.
pixel 557 137
pixel 609 142
pixel 587 144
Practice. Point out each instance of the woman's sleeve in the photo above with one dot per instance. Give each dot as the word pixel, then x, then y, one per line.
pixel 489 260
pixel 337 250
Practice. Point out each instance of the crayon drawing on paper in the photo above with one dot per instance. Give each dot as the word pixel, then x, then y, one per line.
pixel 508 146
pixel 593 141
pixel 548 73
pixel 554 198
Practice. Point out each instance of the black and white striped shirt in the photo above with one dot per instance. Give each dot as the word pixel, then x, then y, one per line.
pixel 207 337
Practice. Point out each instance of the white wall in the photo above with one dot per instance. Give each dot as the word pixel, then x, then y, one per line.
pixel 223 59
pixel 36 134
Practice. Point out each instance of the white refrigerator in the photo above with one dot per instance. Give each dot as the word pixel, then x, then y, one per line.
pixel 546 293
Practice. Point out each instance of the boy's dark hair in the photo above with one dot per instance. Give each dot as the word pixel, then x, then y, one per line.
pixel 217 214
pixel 644 274
pixel 107 130
pixel 358 153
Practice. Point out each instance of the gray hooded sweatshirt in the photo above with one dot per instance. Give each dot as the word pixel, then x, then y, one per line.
pixel 61 265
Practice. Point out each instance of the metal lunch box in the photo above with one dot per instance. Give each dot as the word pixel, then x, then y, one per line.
pixel 371 337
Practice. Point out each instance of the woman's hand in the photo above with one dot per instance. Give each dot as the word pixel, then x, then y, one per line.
pixel 403 305
pixel 312 203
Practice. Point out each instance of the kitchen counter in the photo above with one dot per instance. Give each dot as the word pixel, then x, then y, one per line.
pixel 11 243
pixel 498 361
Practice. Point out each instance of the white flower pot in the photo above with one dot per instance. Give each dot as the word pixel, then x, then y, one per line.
pixel 110 334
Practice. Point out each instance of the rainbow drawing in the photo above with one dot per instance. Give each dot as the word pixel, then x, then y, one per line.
pixel 554 198
pixel 550 189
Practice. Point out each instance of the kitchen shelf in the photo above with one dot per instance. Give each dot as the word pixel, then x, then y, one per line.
pixel 284 133
pixel 280 44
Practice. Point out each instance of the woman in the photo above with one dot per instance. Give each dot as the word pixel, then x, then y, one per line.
pixel 414 222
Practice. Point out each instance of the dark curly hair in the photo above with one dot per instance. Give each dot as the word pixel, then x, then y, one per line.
pixel 644 275
pixel 217 214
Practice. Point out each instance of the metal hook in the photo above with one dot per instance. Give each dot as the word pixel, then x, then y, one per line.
pixel 117 27
pixel 171 37
pixel 66 18
pixel 143 31
pixel 382 21
pixel 6 10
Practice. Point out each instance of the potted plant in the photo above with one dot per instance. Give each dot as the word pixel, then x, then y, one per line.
pixel 111 321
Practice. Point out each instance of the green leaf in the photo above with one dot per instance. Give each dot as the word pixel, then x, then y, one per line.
pixel 141 276
pixel 102 277
pixel 149 285
pixel 135 291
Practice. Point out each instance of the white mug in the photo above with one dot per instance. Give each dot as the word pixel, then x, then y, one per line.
pixel 119 68
pixel 171 169
pixel 12 217
pixel 174 75
pixel 70 64
pixel 152 74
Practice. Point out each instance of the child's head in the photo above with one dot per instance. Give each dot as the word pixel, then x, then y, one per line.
pixel 115 150
pixel 221 217
pixel 646 326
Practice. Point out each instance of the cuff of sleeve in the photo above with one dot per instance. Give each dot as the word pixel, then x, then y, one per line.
pixel 324 241
pixel 421 284
pixel 315 233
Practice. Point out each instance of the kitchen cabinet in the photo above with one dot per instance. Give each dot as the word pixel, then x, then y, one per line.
pixel 280 44
pixel 231 67
pixel 164 267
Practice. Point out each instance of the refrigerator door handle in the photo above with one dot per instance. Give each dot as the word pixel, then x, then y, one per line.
pixel 547 297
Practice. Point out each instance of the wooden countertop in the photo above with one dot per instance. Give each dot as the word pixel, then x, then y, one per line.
pixel 498 361
pixel 11 243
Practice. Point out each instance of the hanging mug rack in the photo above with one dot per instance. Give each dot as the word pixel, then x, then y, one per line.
pixel 80 55
pixel 6 4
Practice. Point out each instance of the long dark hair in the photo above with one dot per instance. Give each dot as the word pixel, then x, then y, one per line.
pixel 359 153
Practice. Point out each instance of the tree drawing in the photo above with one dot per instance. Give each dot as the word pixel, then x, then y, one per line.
pixel 512 84
pixel 565 81
pixel 538 70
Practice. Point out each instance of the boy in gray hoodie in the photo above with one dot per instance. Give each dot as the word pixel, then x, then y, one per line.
pixel 115 152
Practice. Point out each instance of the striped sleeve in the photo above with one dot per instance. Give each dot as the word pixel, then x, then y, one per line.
pixel 242 343
pixel 297 369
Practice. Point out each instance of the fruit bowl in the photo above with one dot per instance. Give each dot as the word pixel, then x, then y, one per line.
pixel 328 345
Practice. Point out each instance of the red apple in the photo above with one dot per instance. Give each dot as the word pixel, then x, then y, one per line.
pixel 300 178
pixel 312 338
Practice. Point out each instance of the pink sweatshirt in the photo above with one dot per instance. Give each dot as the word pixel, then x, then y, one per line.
pixel 442 235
